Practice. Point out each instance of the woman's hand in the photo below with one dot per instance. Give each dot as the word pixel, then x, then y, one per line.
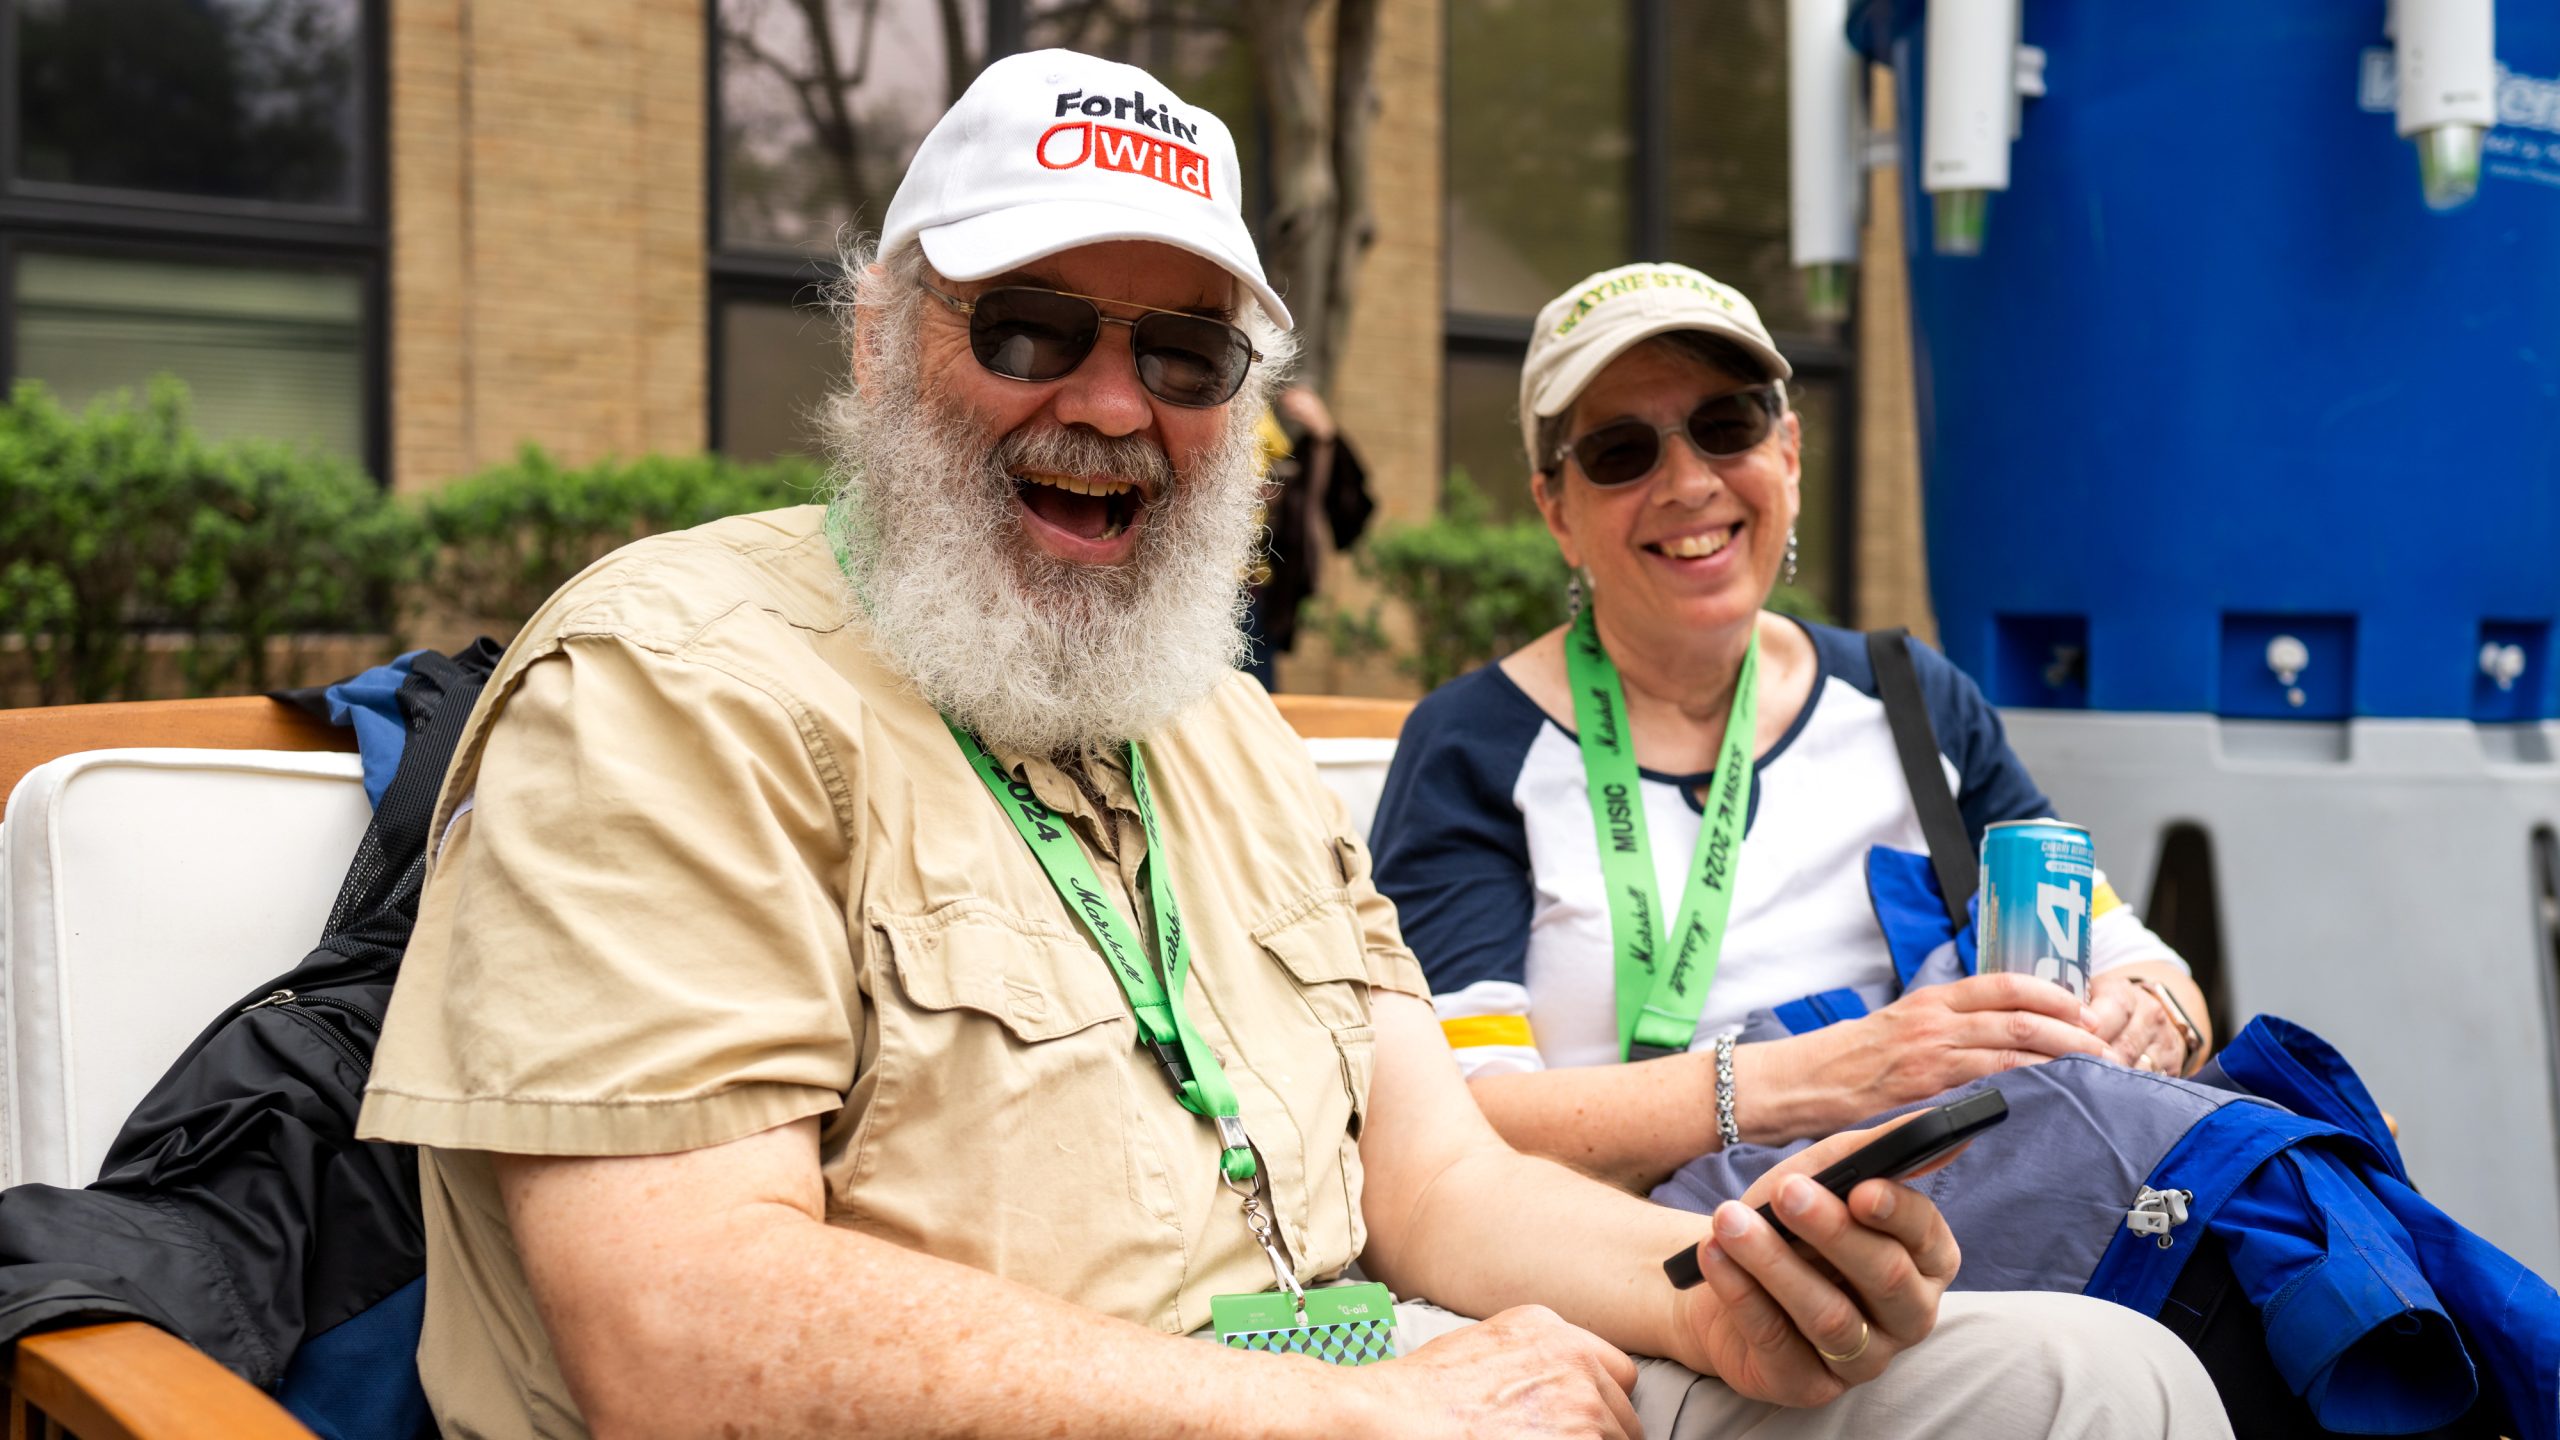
pixel 1931 1040
pixel 2137 1026
pixel 1799 1327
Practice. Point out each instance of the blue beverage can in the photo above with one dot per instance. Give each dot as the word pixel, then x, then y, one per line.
pixel 2038 880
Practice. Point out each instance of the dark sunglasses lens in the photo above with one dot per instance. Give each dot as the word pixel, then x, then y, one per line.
pixel 1190 360
pixel 1730 424
pixel 1025 334
pixel 1617 454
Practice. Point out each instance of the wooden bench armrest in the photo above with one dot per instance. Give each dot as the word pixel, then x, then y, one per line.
pixel 30 737
pixel 131 1381
pixel 1338 717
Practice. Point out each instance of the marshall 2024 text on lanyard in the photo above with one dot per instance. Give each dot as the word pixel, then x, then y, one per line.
pixel 1658 1004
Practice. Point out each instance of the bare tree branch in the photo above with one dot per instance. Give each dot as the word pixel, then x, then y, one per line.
pixel 835 132
pixel 959 62
pixel 1301 232
pixel 820 93
pixel 1074 21
pixel 1355 105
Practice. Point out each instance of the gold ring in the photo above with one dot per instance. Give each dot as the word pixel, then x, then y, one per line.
pixel 1866 1333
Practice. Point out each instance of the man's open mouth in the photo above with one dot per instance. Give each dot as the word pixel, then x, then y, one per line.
pixel 1087 506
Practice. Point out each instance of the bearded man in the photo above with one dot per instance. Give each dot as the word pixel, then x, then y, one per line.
pixel 884 971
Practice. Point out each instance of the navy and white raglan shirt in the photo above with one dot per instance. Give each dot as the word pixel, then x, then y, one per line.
pixel 1484 840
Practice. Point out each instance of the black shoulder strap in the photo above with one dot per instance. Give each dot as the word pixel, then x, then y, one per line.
pixel 1916 741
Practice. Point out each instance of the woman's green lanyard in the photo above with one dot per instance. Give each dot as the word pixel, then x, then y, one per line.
pixel 1658 1005
pixel 1167 1029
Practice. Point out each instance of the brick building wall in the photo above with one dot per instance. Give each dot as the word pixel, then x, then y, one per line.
pixel 547 269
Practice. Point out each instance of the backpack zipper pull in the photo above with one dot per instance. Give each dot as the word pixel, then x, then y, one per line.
pixel 2157 1212
pixel 281 997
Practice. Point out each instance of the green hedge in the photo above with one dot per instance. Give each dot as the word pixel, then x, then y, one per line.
pixel 507 537
pixel 119 521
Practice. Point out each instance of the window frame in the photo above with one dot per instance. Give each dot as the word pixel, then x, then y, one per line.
pixel 214 230
pixel 765 275
pixel 1478 334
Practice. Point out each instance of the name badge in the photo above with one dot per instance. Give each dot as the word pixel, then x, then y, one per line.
pixel 1345 1325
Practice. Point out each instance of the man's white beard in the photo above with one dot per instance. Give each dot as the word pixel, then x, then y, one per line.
pixel 1031 653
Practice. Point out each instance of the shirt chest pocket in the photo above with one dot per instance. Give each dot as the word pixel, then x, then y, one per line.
pixel 989 1014
pixel 1000 1126
pixel 1318 945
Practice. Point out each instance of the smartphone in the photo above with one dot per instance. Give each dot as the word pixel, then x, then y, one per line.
pixel 1892 1155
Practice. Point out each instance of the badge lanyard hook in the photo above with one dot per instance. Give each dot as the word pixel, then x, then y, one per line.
pixel 1257 1218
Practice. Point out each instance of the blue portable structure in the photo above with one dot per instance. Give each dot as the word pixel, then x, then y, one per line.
pixel 2243 502
pixel 2219 375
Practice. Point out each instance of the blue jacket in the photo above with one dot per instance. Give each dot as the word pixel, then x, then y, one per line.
pixel 2380 1311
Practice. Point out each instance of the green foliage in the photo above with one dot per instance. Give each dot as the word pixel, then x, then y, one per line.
pixel 118 521
pixel 1478 588
pixel 509 536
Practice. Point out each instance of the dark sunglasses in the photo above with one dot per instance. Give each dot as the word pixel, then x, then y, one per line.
pixel 1022 332
pixel 1625 451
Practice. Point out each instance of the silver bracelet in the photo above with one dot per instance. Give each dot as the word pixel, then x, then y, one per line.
pixel 1726 1130
pixel 2188 1033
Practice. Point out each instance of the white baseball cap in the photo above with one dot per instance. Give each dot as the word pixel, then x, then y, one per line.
pixel 1605 315
pixel 1049 150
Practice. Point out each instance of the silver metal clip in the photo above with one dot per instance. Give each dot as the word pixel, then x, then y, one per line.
pixel 1258 1220
pixel 1231 1134
pixel 2157 1212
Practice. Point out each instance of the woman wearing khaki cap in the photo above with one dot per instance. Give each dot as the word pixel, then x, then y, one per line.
pixel 1678 758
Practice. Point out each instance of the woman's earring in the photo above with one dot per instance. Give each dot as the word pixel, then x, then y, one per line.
pixel 1573 595
pixel 1787 576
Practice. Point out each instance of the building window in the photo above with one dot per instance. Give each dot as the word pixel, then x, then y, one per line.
pixel 818 107
pixel 1540 149
pixel 267 352
pixel 1590 136
pixel 195 187
pixel 782 359
pixel 821 105
pixel 1197 47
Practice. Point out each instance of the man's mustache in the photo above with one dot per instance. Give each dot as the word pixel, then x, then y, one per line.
pixel 1078 450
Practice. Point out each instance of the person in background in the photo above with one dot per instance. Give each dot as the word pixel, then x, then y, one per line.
pixel 1663 456
pixel 1315 476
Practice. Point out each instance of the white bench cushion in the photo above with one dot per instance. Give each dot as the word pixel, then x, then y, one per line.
pixel 1355 770
pixel 140 892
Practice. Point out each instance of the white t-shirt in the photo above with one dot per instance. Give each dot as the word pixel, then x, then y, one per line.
pixel 1484 840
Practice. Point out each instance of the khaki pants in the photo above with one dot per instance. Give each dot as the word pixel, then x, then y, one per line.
pixel 2016 1366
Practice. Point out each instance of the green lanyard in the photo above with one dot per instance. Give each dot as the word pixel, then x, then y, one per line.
pixel 1658 1006
pixel 1198 1080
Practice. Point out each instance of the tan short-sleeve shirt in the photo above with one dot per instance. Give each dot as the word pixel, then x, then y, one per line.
pixel 707 867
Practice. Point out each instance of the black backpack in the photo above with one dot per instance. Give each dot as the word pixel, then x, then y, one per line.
pixel 236 1209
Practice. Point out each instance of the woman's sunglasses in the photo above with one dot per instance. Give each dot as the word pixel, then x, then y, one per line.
pixel 1625 451
pixel 1024 333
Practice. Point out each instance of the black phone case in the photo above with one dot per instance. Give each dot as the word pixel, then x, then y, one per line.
pixel 1892 1156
